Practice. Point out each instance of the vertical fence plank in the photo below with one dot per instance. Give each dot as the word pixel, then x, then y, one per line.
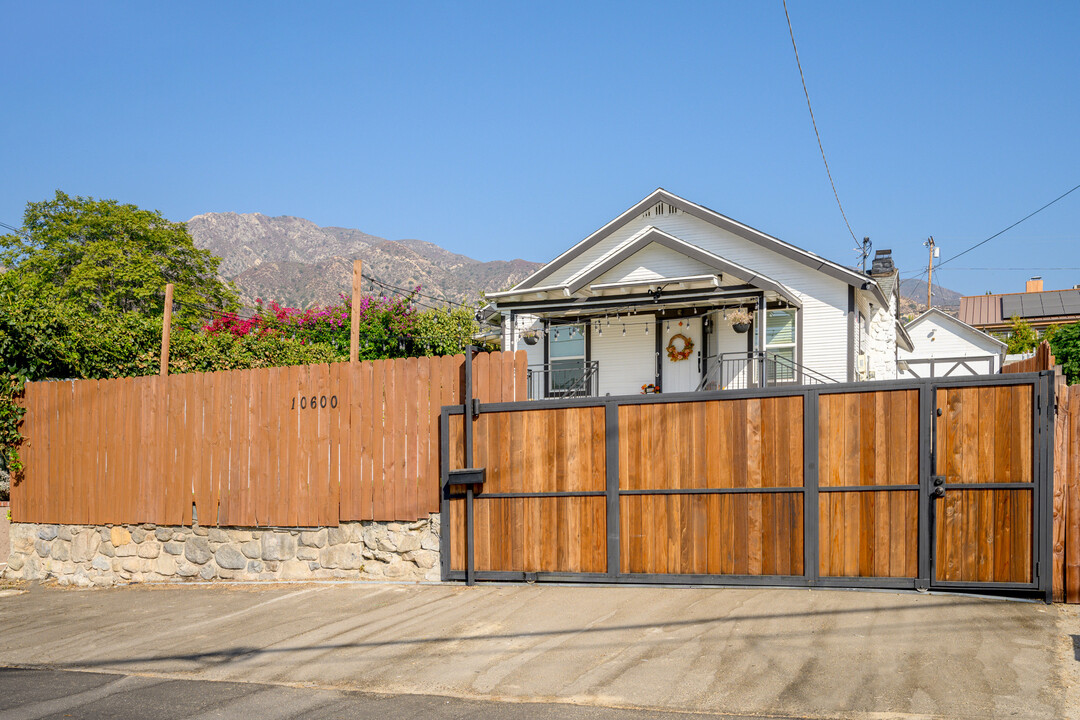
pixel 365 406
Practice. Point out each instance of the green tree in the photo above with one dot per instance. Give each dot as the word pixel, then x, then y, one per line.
pixel 105 255
pixel 1065 344
pixel 1022 337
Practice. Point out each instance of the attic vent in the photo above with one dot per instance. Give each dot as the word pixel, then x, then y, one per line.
pixel 661 208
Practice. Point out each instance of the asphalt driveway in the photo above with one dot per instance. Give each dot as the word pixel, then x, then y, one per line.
pixel 814 654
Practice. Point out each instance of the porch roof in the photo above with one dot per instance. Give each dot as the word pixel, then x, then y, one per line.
pixel 581 284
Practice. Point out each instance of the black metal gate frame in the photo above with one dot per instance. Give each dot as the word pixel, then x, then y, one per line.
pixel 1042 384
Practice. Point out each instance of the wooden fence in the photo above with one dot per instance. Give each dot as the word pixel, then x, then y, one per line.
pixel 1043 359
pixel 294 446
pixel 1066 540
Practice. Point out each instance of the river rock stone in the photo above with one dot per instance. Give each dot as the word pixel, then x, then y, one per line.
pixel 255 566
pixel 423 558
pixel 278 546
pixel 163 535
pixel 228 557
pixel 165 565
pixel 207 572
pixel 60 551
pixel 42 548
pixel 174 548
pixel 337 535
pixel 184 569
pixel 345 557
pixel 307 553
pixel 102 564
pixel 119 536
pixel 128 550
pixel 251 549
pixel 64 532
pixel 138 535
pixel 47 532
pixel 197 550
pixel 16 562
pixel 217 535
pixel 149 549
pixel 84 546
pixel 316 539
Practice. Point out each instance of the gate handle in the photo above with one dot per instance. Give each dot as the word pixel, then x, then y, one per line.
pixel 938 492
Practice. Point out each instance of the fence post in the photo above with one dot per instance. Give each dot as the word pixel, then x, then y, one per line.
pixel 811 481
pixel 166 330
pixel 611 439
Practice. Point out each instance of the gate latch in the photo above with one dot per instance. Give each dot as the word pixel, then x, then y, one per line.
pixel 939 489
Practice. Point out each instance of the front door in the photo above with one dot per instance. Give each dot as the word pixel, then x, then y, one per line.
pixel 984 492
pixel 681 355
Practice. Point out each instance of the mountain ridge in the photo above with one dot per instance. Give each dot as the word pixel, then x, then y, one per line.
pixel 295 262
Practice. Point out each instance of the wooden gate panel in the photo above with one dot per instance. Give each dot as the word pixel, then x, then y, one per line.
pixel 712 534
pixel 868 439
pixel 869 534
pixel 985 436
pixel 984 536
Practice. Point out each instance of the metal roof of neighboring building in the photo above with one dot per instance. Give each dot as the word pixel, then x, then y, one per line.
pixel 981 310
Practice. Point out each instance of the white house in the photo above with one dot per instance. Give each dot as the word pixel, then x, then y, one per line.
pixel 650 299
pixel 945 346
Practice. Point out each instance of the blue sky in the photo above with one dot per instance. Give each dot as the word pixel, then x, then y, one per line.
pixel 504 130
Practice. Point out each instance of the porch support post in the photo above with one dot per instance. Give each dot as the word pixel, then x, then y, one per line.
pixel 611 423
pixel 761 338
pixel 851 334
pixel 470 570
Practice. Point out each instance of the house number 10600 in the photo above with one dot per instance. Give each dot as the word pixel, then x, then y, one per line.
pixel 315 401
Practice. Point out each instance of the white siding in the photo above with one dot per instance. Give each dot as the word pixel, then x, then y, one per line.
pixel 652 262
pixel 824 298
pixel 626 361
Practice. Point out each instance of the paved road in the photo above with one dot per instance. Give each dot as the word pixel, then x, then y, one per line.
pixel 46 694
pixel 744 652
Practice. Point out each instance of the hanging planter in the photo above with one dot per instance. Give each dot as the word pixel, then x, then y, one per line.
pixel 531 337
pixel 740 319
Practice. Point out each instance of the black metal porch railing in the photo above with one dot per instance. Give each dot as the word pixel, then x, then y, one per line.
pixel 757 368
pixel 564 379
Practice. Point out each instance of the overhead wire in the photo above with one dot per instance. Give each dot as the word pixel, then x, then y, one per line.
pixel 814 123
pixel 1001 232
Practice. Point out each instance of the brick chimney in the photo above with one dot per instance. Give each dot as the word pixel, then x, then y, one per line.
pixel 883 263
pixel 1034 285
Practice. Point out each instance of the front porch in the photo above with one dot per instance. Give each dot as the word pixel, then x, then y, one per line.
pixel 668 340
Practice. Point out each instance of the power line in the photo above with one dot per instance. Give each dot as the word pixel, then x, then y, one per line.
pixel 1029 215
pixel 1002 232
pixel 814 122
pixel 388 286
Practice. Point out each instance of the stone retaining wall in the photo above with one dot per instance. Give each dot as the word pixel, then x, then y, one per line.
pixel 93 555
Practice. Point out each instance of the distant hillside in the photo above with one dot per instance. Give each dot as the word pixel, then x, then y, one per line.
pixel 296 262
pixel 913 297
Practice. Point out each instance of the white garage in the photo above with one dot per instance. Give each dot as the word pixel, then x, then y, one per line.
pixel 946 347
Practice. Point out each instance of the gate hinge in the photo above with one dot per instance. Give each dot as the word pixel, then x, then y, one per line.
pixel 476 407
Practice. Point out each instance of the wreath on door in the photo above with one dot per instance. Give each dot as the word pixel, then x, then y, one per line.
pixel 674 354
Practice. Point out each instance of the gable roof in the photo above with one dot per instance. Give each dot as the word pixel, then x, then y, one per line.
pixel 807 258
pixel 961 327
pixel 651 235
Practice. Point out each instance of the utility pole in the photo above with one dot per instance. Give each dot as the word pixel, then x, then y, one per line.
pixel 166 330
pixel 354 316
pixel 934 252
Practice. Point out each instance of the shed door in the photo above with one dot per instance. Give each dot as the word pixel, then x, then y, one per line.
pixel 983 491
